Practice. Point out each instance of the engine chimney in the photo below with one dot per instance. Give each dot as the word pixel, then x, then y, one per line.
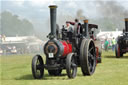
pixel 86 28
pixel 53 21
pixel 126 24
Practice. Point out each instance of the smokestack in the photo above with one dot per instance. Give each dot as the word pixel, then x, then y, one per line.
pixel 126 24
pixel 53 20
pixel 86 28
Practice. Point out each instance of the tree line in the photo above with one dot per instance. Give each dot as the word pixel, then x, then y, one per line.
pixel 12 25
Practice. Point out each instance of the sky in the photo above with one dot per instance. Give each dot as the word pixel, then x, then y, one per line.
pixel 37 11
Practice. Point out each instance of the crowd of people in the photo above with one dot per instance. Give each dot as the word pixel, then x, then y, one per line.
pixel 107 43
pixel 12 49
pixel 8 50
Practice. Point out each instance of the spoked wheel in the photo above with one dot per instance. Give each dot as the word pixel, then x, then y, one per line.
pixel 118 52
pixel 37 67
pixel 55 72
pixel 87 57
pixel 71 67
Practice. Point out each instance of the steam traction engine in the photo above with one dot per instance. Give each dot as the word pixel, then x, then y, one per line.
pixel 122 42
pixel 67 52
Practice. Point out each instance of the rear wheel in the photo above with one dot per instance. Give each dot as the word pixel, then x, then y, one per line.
pixel 87 57
pixel 37 67
pixel 118 51
pixel 71 66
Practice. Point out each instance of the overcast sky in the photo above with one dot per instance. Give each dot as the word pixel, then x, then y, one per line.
pixel 37 11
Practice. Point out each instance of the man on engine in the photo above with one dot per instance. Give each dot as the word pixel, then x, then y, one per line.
pixel 76 25
pixel 68 27
pixel 76 31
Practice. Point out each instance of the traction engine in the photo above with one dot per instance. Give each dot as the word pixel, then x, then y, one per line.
pixel 66 50
pixel 122 42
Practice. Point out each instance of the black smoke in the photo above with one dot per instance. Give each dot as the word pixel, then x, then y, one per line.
pixel 112 14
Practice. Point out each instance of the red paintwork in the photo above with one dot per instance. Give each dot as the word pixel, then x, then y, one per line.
pixel 97 52
pixel 67 48
pixel 118 51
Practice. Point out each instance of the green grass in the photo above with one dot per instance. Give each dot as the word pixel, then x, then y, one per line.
pixel 16 70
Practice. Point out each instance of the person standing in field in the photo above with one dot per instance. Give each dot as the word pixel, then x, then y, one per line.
pixel 106 43
pixel 113 44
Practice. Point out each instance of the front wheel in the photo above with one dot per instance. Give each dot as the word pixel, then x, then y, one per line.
pixel 71 66
pixel 37 67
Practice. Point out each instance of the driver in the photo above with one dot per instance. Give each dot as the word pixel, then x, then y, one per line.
pixel 76 31
pixel 68 27
pixel 76 26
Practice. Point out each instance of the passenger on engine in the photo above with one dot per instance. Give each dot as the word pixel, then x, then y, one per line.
pixel 69 31
pixel 76 32
pixel 91 33
pixel 68 27
pixel 76 26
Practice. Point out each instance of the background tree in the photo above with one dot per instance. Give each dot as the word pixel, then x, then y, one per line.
pixel 11 25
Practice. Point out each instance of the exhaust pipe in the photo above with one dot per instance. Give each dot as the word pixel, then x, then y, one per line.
pixel 53 21
pixel 126 24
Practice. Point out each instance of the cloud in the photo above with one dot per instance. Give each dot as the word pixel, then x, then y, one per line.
pixel 41 3
pixel 38 3
pixel 17 2
pixel 72 4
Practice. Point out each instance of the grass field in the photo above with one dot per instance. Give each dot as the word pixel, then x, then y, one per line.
pixel 16 70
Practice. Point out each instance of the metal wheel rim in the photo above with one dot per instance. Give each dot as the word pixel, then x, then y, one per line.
pixel 91 57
